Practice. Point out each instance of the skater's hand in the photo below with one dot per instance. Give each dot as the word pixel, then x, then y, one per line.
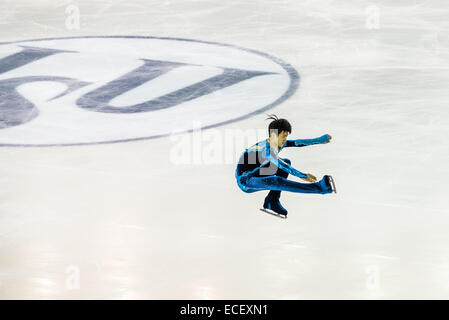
pixel 310 178
pixel 330 138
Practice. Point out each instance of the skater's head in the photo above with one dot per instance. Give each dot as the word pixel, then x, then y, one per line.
pixel 278 130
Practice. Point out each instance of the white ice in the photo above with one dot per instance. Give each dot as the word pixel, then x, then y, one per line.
pixel 128 223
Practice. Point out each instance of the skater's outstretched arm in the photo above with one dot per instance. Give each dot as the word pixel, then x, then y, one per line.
pixel 274 163
pixel 307 142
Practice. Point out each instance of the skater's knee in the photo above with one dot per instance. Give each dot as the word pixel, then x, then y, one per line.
pixel 241 182
pixel 277 180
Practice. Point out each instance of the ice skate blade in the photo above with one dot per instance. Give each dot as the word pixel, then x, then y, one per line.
pixel 280 216
pixel 331 180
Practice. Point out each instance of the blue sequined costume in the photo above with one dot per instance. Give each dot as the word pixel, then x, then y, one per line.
pixel 260 168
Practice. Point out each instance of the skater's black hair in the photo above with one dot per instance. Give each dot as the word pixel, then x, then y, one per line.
pixel 278 125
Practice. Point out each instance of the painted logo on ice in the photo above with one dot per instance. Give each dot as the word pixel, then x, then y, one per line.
pixel 87 90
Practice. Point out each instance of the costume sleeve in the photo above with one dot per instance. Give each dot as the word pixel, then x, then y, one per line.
pixel 307 142
pixel 270 156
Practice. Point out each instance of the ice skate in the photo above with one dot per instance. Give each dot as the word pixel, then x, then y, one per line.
pixel 331 182
pixel 273 206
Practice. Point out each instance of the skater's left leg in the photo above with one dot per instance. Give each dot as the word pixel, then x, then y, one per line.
pixel 272 199
pixel 279 173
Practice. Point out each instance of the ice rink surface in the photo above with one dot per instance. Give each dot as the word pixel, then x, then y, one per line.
pixel 123 221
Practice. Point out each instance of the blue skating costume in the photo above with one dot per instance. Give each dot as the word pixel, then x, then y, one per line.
pixel 259 168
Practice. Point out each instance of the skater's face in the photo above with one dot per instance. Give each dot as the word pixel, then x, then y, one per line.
pixel 279 139
pixel 282 138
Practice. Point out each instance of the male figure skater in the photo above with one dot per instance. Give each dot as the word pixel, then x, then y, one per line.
pixel 260 168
